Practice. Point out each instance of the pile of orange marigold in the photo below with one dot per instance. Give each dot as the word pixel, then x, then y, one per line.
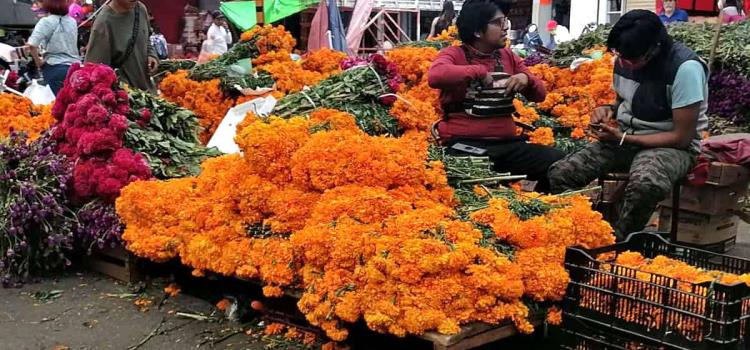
pixel 19 114
pixel 573 94
pixel 364 225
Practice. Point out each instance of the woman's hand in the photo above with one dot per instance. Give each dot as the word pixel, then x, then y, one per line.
pixel 516 83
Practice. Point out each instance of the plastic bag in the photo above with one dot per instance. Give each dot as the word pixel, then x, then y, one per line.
pixel 223 138
pixel 39 94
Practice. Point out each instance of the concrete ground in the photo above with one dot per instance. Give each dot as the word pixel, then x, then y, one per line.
pixel 83 310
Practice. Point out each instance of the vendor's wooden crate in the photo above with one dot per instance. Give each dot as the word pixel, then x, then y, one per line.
pixel 473 335
pixel 117 263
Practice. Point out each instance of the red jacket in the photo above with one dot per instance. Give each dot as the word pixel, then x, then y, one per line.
pixel 451 73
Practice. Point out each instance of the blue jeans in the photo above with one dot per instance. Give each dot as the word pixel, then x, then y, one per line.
pixel 54 75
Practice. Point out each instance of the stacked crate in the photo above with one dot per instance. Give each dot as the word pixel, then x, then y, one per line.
pixel 706 216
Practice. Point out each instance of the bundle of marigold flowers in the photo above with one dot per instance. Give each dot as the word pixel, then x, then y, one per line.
pixel 19 114
pixel 364 225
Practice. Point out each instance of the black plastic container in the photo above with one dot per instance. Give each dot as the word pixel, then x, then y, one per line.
pixel 654 308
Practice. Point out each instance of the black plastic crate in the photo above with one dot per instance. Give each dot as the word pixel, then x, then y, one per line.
pixel 577 335
pixel 656 308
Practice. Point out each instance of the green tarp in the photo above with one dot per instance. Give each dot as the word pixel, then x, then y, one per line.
pixel 274 10
pixel 241 13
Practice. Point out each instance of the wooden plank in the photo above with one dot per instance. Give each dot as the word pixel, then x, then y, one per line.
pixel 259 17
pixel 474 335
pixel 117 263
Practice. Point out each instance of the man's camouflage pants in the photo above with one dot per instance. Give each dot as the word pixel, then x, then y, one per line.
pixel 653 173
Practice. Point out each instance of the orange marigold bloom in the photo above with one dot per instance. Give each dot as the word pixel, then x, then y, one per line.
pixel 554 316
pixel 412 62
pixel 19 114
pixel 204 98
pixel 542 136
pixel 324 61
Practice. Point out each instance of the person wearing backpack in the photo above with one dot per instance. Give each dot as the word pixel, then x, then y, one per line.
pixel 57 34
pixel 159 42
pixel 120 39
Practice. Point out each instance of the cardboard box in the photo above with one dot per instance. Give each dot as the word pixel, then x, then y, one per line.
pixel 724 174
pixel 701 229
pixel 709 199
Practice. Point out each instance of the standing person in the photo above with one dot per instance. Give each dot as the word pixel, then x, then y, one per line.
pixel 653 130
pixel 218 37
pixel 730 12
pixel 57 34
pixel 120 38
pixel 558 34
pixel 159 42
pixel 482 30
pixel 672 14
pixel 532 40
pixel 446 19
pixel 76 11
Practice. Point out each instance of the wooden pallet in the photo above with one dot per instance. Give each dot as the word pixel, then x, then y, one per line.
pixel 473 335
pixel 117 263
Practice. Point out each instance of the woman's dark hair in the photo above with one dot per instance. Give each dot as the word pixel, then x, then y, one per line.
pixel 476 15
pixel 636 32
pixel 56 7
pixel 730 3
pixel 446 17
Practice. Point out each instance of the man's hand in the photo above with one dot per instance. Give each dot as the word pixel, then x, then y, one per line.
pixel 609 134
pixel 516 83
pixel 153 65
pixel 602 115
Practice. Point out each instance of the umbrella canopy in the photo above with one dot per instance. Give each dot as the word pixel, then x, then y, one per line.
pixel 274 10
pixel 241 13
pixel 338 38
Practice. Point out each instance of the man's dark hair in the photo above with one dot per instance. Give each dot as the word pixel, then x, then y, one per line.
pixel 636 32
pixel 476 15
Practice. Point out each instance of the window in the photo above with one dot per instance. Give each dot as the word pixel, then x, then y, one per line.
pixel 615 9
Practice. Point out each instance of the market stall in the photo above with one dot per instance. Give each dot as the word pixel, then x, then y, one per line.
pixel 337 194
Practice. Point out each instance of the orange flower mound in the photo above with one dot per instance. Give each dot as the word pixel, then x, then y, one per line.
pixel 573 94
pixel 364 226
pixel 271 57
pixel 412 62
pixel 654 273
pixel 450 34
pixel 324 61
pixel 542 239
pixel 19 114
pixel 204 98
pixel 542 136
pixel 416 109
pixel 270 38
pixel 290 77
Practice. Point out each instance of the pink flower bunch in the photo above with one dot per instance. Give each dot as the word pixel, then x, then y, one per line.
pixel 103 178
pixel 387 68
pixel 91 113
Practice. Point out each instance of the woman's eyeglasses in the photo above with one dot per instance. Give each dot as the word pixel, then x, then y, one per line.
pixel 501 22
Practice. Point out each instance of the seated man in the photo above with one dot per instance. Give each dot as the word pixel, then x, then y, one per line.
pixel 660 113
pixel 482 28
